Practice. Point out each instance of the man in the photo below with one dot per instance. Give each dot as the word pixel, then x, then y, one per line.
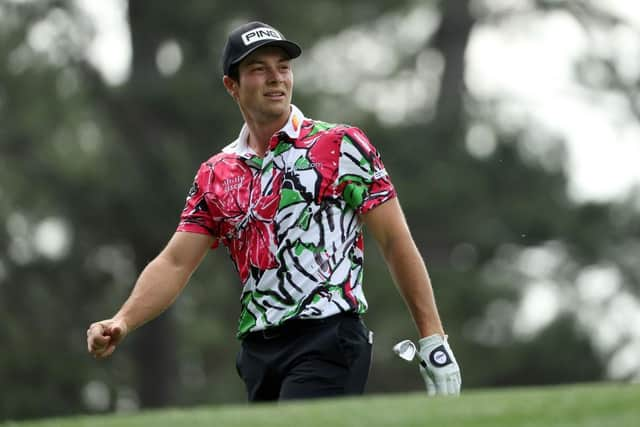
pixel 289 199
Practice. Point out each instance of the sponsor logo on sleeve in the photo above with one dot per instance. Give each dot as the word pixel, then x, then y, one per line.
pixel 380 173
pixel 193 190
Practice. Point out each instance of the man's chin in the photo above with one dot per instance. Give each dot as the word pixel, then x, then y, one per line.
pixel 279 109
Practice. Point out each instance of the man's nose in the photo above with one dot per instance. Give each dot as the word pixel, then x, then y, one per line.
pixel 273 74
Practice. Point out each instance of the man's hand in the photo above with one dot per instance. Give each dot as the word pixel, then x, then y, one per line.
pixel 438 366
pixel 104 336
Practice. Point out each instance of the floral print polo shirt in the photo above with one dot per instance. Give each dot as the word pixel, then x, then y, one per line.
pixel 290 220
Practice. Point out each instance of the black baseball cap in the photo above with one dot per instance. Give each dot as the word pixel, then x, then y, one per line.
pixel 249 37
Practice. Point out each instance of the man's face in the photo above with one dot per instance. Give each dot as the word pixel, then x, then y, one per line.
pixel 265 85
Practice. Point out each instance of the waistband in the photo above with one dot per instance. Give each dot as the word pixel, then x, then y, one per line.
pixel 297 326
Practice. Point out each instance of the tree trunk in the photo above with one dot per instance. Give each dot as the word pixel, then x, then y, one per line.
pixel 156 361
pixel 451 40
pixel 155 343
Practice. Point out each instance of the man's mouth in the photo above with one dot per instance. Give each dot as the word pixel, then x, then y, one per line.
pixel 276 94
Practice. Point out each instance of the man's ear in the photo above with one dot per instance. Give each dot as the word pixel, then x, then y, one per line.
pixel 231 85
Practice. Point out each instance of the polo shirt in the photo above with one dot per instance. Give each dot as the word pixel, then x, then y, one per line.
pixel 290 220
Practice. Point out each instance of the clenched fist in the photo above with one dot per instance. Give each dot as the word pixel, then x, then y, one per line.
pixel 104 336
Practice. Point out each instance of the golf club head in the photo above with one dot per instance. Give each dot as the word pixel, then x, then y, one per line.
pixel 405 350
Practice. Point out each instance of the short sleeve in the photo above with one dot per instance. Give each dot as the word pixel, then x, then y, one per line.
pixel 362 178
pixel 196 217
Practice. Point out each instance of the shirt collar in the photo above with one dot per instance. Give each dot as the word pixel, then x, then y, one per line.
pixel 291 128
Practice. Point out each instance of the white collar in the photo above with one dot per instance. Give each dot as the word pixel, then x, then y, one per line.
pixel 292 128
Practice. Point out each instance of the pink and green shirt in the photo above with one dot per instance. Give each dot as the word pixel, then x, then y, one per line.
pixel 290 219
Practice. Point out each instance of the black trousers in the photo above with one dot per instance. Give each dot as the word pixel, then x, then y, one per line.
pixel 306 359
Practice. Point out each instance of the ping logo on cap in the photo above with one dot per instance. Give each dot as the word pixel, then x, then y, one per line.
pixel 261 33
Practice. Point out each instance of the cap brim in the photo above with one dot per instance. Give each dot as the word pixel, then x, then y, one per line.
pixel 292 49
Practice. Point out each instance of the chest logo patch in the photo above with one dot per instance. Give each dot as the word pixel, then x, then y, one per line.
pixel 233 183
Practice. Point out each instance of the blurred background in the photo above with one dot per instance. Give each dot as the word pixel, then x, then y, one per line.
pixel 511 129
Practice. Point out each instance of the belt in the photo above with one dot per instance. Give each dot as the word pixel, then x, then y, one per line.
pixel 297 326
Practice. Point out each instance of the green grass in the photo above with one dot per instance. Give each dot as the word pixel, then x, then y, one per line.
pixel 596 405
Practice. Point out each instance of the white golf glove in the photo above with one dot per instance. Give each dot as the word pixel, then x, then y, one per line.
pixel 438 366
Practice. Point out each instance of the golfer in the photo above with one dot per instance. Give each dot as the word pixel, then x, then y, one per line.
pixel 289 199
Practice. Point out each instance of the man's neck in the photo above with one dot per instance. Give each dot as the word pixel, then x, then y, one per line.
pixel 260 133
pixel 259 137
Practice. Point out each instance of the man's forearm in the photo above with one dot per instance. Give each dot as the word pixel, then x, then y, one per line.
pixel 156 288
pixel 410 275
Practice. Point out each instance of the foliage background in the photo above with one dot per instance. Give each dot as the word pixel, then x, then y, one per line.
pixel 94 172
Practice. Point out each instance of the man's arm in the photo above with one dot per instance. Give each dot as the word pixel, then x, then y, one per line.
pixel 438 366
pixel 388 226
pixel 157 287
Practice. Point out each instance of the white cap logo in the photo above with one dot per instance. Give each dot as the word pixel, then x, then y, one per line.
pixel 261 33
